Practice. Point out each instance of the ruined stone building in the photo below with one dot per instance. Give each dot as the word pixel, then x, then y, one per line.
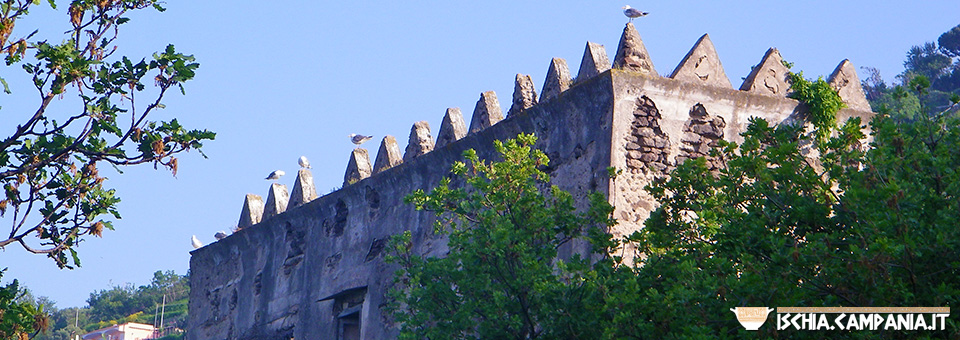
pixel 309 267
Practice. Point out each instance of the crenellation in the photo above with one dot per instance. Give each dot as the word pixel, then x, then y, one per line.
pixel 632 54
pixel 770 77
pixel 303 189
pixel 296 273
pixel 844 79
pixel 388 156
pixel 252 211
pixel 277 200
pixel 593 63
pixel 524 95
pixel 558 79
pixel 358 167
pixel 452 128
pixel 702 66
pixel 420 142
pixel 486 113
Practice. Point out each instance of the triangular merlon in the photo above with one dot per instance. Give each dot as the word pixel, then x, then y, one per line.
pixel 702 66
pixel 844 79
pixel 594 62
pixel 632 54
pixel 770 77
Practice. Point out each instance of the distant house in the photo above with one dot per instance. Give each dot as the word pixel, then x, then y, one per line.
pixel 127 331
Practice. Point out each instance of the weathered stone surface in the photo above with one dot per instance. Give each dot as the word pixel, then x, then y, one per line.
pixel 276 201
pixel 594 62
pixel 420 141
pixel 844 79
pixel 524 95
pixel 358 167
pixel 303 189
pixel 632 54
pixel 452 128
pixel 770 77
pixel 388 156
pixel 486 113
pixel 279 269
pixel 701 133
pixel 702 66
pixel 252 211
pixel 558 79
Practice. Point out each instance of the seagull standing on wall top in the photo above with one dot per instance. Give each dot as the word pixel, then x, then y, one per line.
pixel 304 163
pixel 195 242
pixel 633 12
pixel 275 175
pixel 358 139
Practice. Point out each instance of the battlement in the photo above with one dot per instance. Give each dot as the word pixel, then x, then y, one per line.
pixel 305 266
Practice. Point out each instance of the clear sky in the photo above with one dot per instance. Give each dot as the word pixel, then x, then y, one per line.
pixel 283 79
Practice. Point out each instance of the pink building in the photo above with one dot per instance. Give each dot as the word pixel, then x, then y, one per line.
pixel 127 331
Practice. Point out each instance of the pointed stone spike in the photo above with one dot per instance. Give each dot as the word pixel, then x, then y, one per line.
pixel 358 168
pixel 276 201
pixel 389 154
pixel 524 95
pixel 594 62
pixel 558 79
pixel 252 211
pixel 702 66
pixel 631 54
pixel 486 113
pixel 452 128
pixel 303 189
pixel 420 141
pixel 770 77
pixel 844 79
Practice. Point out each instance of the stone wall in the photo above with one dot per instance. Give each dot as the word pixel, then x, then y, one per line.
pixel 317 268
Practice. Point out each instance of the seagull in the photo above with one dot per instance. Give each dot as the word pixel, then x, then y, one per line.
pixel 220 235
pixel 275 175
pixel 358 139
pixel 633 12
pixel 304 163
pixel 196 243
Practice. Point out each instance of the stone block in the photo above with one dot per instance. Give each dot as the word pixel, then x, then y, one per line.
pixel 524 95
pixel 486 113
pixel 770 77
pixel 702 66
pixel 303 189
pixel 388 156
pixel 632 54
pixel 277 200
pixel 420 142
pixel 252 211
pixel 558 79
pixel 452 128
pixel 358 167
pixel 594 62
pixel 844 79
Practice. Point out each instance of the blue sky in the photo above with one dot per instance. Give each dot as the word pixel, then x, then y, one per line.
pixel 285 79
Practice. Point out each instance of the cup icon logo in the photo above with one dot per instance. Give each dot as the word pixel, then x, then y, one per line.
pixel 751 318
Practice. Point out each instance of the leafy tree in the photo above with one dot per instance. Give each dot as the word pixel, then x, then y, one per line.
pixel 502 278
pixel 776 228
pixel 53 193
pixel 20 319
pixel 92 108
pixel 949 42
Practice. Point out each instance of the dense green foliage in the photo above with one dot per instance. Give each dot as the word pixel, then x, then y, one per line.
pixel 938 63
pixel 91 108
pixel 778 225
pixel 502 278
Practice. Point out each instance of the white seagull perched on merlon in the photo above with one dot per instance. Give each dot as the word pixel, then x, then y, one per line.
pixel 275 175
pixel 195 242
pixel 304 163
pixel 632 13
pixel 358 139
